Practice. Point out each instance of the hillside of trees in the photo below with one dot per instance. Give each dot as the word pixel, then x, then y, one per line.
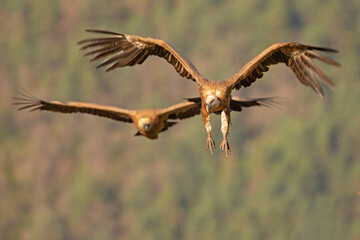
pixel 294 169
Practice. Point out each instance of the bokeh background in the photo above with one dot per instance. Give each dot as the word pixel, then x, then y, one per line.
pixel 294 170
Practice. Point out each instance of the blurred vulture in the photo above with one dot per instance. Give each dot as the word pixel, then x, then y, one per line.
pixel 149 122
pixel 121 50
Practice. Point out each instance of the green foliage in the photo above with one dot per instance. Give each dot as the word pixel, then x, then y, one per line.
pixel 293 171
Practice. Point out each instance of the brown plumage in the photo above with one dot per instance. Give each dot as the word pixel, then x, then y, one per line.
pixel 149 122
pixel 121 50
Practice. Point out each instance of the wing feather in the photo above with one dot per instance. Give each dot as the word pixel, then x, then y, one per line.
pixel 295 55
pixel 25 101
pixel 309 76
pixel 167 126
pixel 307 61
pixel 236 104
pixel 181 110
pixel 121 50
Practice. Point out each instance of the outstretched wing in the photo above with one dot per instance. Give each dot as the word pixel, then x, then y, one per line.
pixel 196 100
pixel 26 101
pixel 168 125
pixel 121 50
pixel 296 56
pixel 236 103
pixel 181 110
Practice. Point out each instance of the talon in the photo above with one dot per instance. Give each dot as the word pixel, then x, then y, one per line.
pixel 210 144
pixel 225 146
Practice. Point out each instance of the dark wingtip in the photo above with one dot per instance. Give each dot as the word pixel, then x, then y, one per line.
pixel 318 90
pixel 171 123
pixel 96 31
pixel 112 67
pixel 100 65
pixel 25 100
pixel 271 102
pixel 323 49
pixel 195 99
pixel 102 31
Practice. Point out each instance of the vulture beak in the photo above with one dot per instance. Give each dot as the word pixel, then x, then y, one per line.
pixel 211 102
pixel 146 126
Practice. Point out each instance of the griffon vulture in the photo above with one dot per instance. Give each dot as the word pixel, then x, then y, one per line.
pixel 121 50
pixel 149 122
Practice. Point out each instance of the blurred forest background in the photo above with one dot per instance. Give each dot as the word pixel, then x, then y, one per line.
pixel 294 170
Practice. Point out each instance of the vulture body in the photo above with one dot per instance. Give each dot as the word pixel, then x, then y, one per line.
pixel 149 122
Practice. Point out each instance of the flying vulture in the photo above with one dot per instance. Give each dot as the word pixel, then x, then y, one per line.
pixel 119 50
pixel 149 122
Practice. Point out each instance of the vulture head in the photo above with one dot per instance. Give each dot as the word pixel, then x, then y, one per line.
pixel 212 102
pixel 145 124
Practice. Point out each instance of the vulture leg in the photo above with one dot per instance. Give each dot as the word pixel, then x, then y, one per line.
pixel 225 119
pixel 210 144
